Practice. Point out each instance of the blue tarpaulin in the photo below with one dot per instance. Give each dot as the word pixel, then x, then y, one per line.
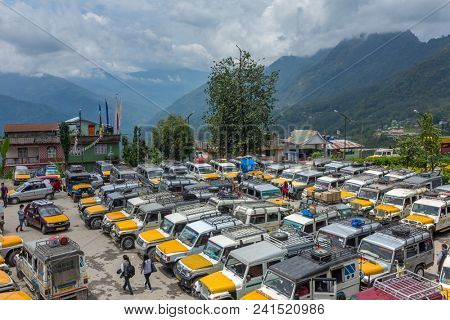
pixel 247 164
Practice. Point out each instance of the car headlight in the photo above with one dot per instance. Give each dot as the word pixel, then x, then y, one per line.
pixel 50 224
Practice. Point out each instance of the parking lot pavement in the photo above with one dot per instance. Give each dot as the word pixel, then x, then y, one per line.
pixel 103 258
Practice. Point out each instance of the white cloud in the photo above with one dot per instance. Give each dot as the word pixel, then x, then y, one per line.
pixel 134 35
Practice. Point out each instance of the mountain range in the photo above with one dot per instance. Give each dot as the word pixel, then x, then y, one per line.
pixel 373 79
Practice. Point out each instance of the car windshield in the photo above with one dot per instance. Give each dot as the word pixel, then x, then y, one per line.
pixel 351 187
pixel 154 174
pixel 49 211
pixel 21 187
pixel 205 170
pixel 393 200
pixel 180 171
pixel 288 226
pixel 106 167
pixel 271 194
pixel 213 251
pixel 229 169
pixel 301 178
pixel 127 176
pixel 329 237
pixel 375 251
pixel 141 215
pixel 188 236
pixel 235 266
pixel 445 276
pixel 167 226
pixel 287 175
pixel 109 202
pixel 422 208
pixel 22 171
pixel 368 194
pixel 322 185
pixel 129 208
pixel 281 285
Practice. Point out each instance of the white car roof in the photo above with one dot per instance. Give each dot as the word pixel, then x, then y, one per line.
pixel 431 202
pixel 136 201
pixel 176 217
pixel 223 241
pixel 400 192
pixel 327 179
pixel 226 164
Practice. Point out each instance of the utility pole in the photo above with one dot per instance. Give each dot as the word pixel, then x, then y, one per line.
pixel 79 138
pixel 345 129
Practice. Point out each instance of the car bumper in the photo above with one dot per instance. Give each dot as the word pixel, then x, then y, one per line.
pixel 106 228
pixel 183 280
pixel 59 227
pixel 115 237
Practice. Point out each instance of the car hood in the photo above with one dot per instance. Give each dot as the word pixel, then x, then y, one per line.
pixel 81 186
pixel 256 295
pixel 172 246
pixel 22 176
pixel 106 172
pixel 56 219
pixel 218 282
pixel 127 225
pixel 362 202
pixel 370 268
pixel 210 176
pixel 96 209
pixel 14 295
pixel 116 215
pixel 10 241
pixel 152 235
pixel 4 278
pixel 388 208
pixel 347 194
pixel 90 200
pixel 196 262
pixel 420 218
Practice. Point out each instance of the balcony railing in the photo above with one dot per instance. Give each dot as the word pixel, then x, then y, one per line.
pixel 23 160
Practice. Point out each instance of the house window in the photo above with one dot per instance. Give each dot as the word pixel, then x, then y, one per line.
pixel 22 152
pixel 51 152
pixel 101 149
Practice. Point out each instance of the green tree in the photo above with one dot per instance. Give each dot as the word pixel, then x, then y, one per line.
pixel 173 138
pixel 136 152
pixel 4 148
pixel 64 138
pixel 410 151
pixel 430 139
pixel 240 97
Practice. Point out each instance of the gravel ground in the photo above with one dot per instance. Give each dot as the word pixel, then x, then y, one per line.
pixel 104 258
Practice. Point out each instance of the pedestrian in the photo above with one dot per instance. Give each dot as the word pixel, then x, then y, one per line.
pixel 127 272
pixel 441 257
pixel 239 178
pixel 4 190
pixel 21 215
pixel 147 268
pixel 285 190
pixel 291 191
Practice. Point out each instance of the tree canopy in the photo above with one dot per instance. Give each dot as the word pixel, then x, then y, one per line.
pixel 136 151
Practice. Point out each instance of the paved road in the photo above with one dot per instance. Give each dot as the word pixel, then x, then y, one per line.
pixel 103 258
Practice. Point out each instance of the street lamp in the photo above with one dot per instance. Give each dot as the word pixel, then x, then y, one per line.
pixel 345 129
pixel 189 116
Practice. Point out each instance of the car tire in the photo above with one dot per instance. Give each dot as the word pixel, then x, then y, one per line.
pixel 151 252
pixel 127 243
pixel 49 196
pixel 174 267
pixel 15 201
pixel 419 270
pixel 43 229
pixel 10 258
pixel 95 223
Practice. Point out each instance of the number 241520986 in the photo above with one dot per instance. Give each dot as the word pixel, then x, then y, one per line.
pixel 291 308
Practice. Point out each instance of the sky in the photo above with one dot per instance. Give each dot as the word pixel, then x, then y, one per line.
pixel 131 35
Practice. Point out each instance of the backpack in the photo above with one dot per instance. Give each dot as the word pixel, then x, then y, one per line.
pixel 131 271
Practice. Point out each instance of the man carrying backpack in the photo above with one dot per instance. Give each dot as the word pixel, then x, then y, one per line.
pixel 127 272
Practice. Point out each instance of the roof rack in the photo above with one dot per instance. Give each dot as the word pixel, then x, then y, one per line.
pixel 43 202
pixel 408 286
pixel 325 252
pixel 195 208
pixel 45 250
pixel 157 195
pixel 294 240
pixel 243 231
pixel 221 219
pixel 406 232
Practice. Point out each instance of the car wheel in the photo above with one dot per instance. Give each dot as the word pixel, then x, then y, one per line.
pixel 10 258
pixel 96 223
pixel 151 252
pixel 127 243
pixel 43 229
pixel 49 196
pixel 419 270
pixel 15 200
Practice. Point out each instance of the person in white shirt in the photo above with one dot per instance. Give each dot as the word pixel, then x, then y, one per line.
pixel 147 269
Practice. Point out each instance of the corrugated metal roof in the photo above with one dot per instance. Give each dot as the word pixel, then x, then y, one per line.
pixel 30 127
pixel 339 144
pixel 302 137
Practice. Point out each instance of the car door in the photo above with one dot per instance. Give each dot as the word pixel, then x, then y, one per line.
pixel 33 215
pixel 252 280
pixel 27 193
pixel 324 288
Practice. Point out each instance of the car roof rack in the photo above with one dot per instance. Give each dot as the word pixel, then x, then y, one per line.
pixel 215 221
pixel 325 252
pixel 46 251
pixel 243 231
pixel 408 286
pixel 293 240
pixel 408 232
pixel 43 202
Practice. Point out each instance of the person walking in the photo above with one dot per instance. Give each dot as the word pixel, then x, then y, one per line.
pixel 285 190
pixel 147 268
pixel 21 215
pixel 127 272
pixel 441 257
pixel 4 190
pixel 291 191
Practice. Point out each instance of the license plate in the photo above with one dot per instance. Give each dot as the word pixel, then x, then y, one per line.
pixel 61 228
pixel 178 277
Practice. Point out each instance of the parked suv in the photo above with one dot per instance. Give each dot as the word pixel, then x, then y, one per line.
pixel 21 174
pixel 192 239
pixel 149 175
pixel 31 190
pixel 189 269
pixel 46 216
pixel 10 245
pixel 262 214
pixel 397 246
